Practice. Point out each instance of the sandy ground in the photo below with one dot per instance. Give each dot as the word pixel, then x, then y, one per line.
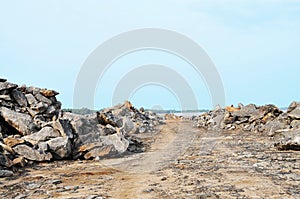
pixel 182 162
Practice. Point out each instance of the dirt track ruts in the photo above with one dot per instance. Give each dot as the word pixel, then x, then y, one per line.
pixel 183 162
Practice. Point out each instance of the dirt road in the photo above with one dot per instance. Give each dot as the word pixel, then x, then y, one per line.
pixel 183 162
pixel 138 171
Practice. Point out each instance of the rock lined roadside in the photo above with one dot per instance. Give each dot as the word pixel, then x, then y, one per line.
pixel 269 119
pixel 183 162
pixel 34 128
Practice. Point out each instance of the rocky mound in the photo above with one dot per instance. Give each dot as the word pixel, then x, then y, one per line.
pixel 172 116
pixel 284 126
pixel 33 128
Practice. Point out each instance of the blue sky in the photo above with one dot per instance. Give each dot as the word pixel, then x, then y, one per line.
pixel 255 46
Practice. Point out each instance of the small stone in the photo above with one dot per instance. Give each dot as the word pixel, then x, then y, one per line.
pixel 40 107
pixel 149 190
pixel 51 110
pixel 72 189
pixel 163 178
pixel 142 129
pixel 91 197
pixel 31 99
pixel 56 182
pixel 33 90
pixel 21 196
pixel 48 93
pixel 109 130
pixel 6 173
pixel 20 161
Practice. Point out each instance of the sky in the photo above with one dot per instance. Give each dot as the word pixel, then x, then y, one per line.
pixel 254 45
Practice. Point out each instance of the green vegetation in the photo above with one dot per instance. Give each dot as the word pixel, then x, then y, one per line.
pixel 84 111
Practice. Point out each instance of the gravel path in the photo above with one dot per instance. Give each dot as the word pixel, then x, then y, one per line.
pixel 182 162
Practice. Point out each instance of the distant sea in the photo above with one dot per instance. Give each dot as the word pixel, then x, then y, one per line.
pixel 189 114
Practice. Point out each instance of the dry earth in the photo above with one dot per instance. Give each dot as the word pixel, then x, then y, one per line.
pixel 182 162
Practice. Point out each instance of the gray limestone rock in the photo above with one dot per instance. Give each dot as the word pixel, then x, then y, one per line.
pixel 23 123
pixel 19 97
pixel 60 147
pixel 42 98
pixel 289 140
pixel 44 134
pixel 295 113
pixel 117 140
pixel 32 154
pixel 31 99
pixel 7 86
pixel 64 127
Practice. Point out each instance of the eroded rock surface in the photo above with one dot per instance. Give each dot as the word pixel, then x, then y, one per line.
pixel 267 119
pixel 34 128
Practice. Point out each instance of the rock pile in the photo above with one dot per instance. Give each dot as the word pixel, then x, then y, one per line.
pixel 34 128
pixel 268 119
pixel 172 116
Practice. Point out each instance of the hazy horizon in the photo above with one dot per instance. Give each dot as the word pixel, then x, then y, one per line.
pixel 254 45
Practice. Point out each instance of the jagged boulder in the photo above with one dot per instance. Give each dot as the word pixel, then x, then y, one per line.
pixel 86 128
pixel 33 127
pixel 272 126
pixel 293 106
pixel 64 127
pixel 117 140
pixel 95 150
pixel 19 97
pixel 61 147
pixel 268 119
pixel 294 111
pixel 22 122
pixel 2 80
pixel 32 154
pixel 248 118
pixel 288 140
pixel 44 134
pixel 4 86
pixel 93 138
pixel 129 118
